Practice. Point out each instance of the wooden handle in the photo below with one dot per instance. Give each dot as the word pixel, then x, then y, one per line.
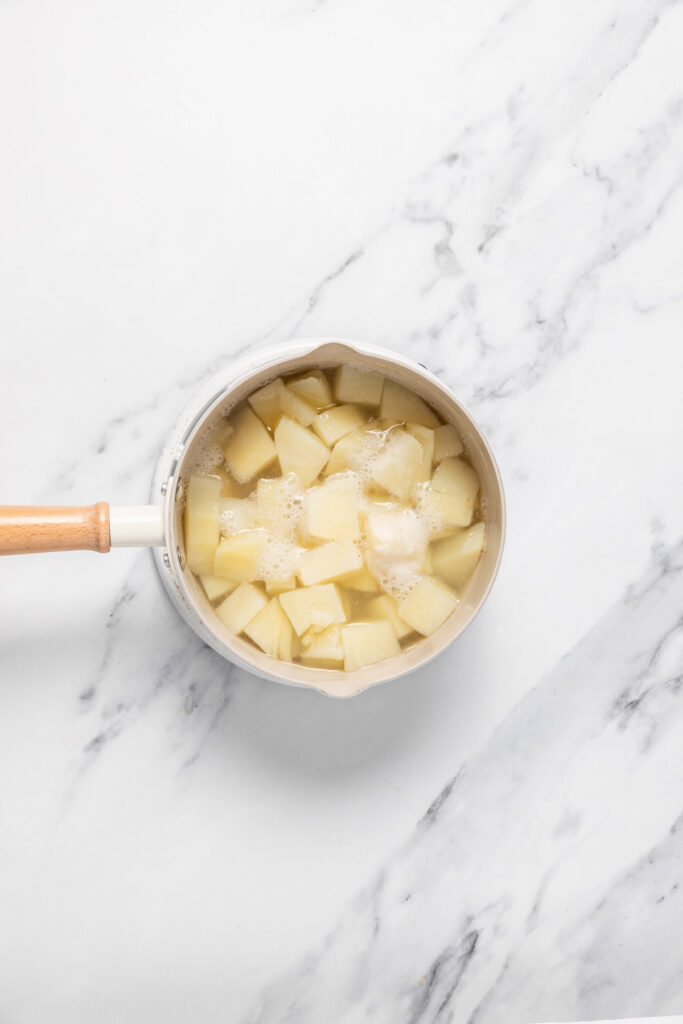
pixel 25 529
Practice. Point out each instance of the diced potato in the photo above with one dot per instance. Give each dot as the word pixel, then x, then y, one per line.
pixel 274 587
pixel 333 424
pixel 300 605
pixel 426 438
pixel 324 649
pixel 360 386
pixel 396 542
pixel 250 449
pixel 238 557
pixel 362 581
pixel 266 403
pixel 237 514
pixel 202 531
pixel 277 503
pixel 313 387
pixel 428 563
pixel 289 646
pixel 299 451
pixel 428 605
pixel 295 406
pixel 400 405
pixel 385 607
pixel 398 468
pixel 368 642
pixel 353 450
pixel 455 558
pixel 222 431
pixel 230 487
pixel 237 610
pixel 265 629
pixel 330 561
pixel 446 442
pixel 458 480
pixel 215 587
pixel 331 510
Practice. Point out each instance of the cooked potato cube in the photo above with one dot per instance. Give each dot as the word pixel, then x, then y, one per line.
pixel 265 629
pixel 353 450
pixel 332 424
pixel 313 387
pixel 299 451
pixel 398 468
pixel 277 504
pixel 331 510
pixel 250 449
pixel 384 607
pixel 396 542
pixel 455 558
pixel 400 405
pixel 215 587
pixel 275 587
pixel 295 406
pixel 368 642
pixel 324 649
pixel 266 403
pixel 230 487
pixel 289 646
pixel 202 530
pixel 237 610
pixel 237 514
pixel 458 480
pixel 237 558
pixel 426 438
pixel 301 604
pixel 330 561
pixel 362 581
pixel 360 386
pixel 446 442
pixel 428 605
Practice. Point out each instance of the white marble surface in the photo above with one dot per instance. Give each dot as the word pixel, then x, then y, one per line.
pixel 494 189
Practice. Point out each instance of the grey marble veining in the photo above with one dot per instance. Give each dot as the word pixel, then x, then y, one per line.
pixel 494 190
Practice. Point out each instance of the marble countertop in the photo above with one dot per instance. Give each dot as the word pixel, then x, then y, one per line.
pixel 494 190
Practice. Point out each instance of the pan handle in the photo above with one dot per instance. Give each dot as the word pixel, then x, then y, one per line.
pixel 26 529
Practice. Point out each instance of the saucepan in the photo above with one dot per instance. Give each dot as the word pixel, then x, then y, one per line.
pixel 158 525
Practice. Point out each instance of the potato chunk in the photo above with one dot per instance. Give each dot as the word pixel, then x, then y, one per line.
pixel 265 629
pixel 202 531
pixel 396 543
pixel 314 388
pixel 237 514
pixel 325 649
pixel 459 481
pixel 400 405
pixel 446 442
pixel 237 558
pixel 305 603
pixel 266 403
pixel 426 438
pixel 333 424
pixel 455 558
pixel 330 561
pixel 278 502
pixel 215 587
pixel 250 448
pixel 299 451
pixel 385 607
pixel 353 451
pixel 363 387
pixel 237 610
pixel 331 510
pixel 295 406
pixel 368 642
pixel 274 587
pixel 428 605
pixel 398 468
pixel 363 581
